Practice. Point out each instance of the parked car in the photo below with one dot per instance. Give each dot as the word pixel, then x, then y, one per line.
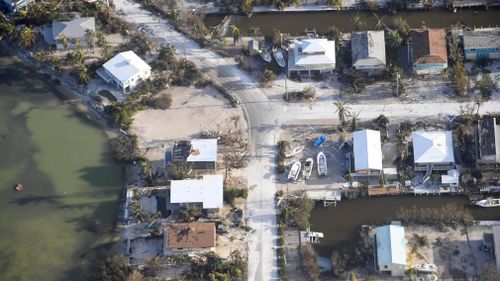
pixel 321 139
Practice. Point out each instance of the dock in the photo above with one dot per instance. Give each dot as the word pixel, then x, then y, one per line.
pixel 392 189
pixel 329 197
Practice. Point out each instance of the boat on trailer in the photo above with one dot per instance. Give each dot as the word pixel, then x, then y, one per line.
pixel 308 166
pixel 298 149
pixel 265 54
pixel 489 202
pixel 322 166
pixel 279 57
pixel 293 175
pixel 426 267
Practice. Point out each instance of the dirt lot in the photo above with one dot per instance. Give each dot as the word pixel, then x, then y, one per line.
pixel 455 252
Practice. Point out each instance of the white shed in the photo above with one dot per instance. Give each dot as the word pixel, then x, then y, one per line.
pixel 367 151
pixel 391 249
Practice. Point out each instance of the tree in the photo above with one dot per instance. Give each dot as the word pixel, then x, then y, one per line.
pixel 359 23
pixel 379 22
pixel 486 86
pixel 90 38
pixel 83 74
pixel 105 51
pixel 64 41
pixel 309 261
pixel 277 38
pixel 398 86
pixel 235 31
pixel 179 171
pixel 353 277
pixel 336 3
pixel 77 42
pixel 333 33
pixel 7 28
pixel 342 111
pixel 167 53
pixel 402 26
pixel 114 268
pixel 27 37
pixel 247 6
pixel 267 77
pixel 458 79
pixel 393 39
pixel 101 39
pixel 354 120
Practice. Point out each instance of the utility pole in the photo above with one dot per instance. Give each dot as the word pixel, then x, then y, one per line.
pixel 286 90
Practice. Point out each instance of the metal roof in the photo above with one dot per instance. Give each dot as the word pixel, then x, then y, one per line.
pixel 73 29
pixel 391 245
pixel 314 52
pixel 367 150
pixel 203 150
pixel 433 147
pixel 126 65
pixel 208 191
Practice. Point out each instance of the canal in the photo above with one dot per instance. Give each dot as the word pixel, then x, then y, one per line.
pixel 340 224
pixel 63 221
pixel 296 23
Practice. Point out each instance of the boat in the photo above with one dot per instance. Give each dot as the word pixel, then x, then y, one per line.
pixel 19 187
pixel 293 175
pixel 278 56
pixel 294 151
pixel 265 55
pixel 426 267
pixel 489 202
pixel 308 166
pixel 322 166
pixel 428 277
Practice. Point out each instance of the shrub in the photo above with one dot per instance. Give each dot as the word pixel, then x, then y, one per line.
pixel 301 209
pixel 309 261
pixel 232 193
pixel 114 268
pixel 160 102
pixel 178 171
pixel 268 77
pixel 124 149
pixel 486 86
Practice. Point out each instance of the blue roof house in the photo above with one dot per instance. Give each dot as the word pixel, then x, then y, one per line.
pixel 391 249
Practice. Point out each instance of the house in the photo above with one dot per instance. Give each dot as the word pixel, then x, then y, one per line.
pixel 72 30
pixel 208 191
pixel 488 141
pixel 126 70
pixel 368 52
pixel 433 150
pixel 367 152
pixel 14 5
pixel 496 242
pixel 391 249
pixel 311 57
pixel 428 51
pixel 189 237
pixel 482 43
pixel 198 154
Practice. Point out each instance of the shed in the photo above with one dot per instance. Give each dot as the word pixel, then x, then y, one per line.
pixel 367 151
pixel 391 249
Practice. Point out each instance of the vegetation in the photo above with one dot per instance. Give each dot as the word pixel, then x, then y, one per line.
pixel 398 86
pixel 210 266
pixel 140 43
pixel 486 86
pixel 309 262
pixel 124 149
pixel 447 215
pixel 300 209
pixel 231 193
pixel 351 256
pixel 185 73
pixel 268 77
pixel 282 220
pixel 114 268
pixel 179 171
pixel 283 146
pixel 343 111
pixel 336 3
pixel 308 93
pixel 458 76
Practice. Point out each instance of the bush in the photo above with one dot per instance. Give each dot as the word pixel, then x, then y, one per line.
pixel 178 171
pixel 486 86
pixel 185 74
pixel 268 77
pixel 232 193
pixel 124 149
pixel 448 215
pixel 283 146
pixel 115 268
pixel 160 102
pixel 309 261
pixel 301 209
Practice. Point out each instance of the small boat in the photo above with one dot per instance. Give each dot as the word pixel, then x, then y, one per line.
pixel 322 166
pixel 278 56
pixel 426 267
pixel 293 175
pixel 489 202
pixel 265 55
pixel 19 187
pixel 294 151
pixel 308 166
pixel 428 277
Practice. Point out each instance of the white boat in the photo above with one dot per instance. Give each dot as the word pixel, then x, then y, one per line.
pixel 489 202
pixel 428 277
pixel 265 55
pixel 294 151
pixel 322 166
pixel 426 267
pixel 308 166
pixel 293 175
pixel 278 56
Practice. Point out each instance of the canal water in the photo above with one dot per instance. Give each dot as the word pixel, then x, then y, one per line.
pixel 296 23
pixel 340 224
pixel 62 221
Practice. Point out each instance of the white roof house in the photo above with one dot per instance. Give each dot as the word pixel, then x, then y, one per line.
pixel 203 150
pixel 126 69
pixel 391 249
pixel 496 241
pixel 208 191
pixel 367 150
pixel 433 148
pixel 368 50
pixel 312 56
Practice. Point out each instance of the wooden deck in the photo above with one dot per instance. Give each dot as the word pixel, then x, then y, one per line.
pixel 383 190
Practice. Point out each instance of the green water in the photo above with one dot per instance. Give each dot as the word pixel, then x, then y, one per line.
pixel 62 222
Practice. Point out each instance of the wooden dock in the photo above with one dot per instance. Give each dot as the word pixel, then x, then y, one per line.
pixel 328 196
pixel 392 189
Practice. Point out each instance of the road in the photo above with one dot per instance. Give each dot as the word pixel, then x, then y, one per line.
pixel 264 120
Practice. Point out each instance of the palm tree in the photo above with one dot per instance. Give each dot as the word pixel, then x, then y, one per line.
pixel 379 25
pixel 7 28
pixel 101 39
pixel 64 41
pixel 105 49
pixel 83 74
pixel 236 33
pixel 27 38
pixel 90 38
pixel 359 23
pixel 354 120
pixel 174 13
pixel 77 42
pixel 342 111
pixel 79 55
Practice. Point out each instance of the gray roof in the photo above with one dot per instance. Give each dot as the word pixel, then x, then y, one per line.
pixel 368 48
pixel 73 29
pixel 481 41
